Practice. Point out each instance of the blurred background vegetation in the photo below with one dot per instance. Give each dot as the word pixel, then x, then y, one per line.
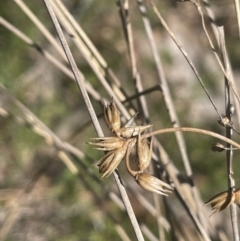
pixel 41 199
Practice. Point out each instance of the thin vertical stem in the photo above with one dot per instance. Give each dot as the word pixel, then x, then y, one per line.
pixel 237 8
pixel 73 65
pixel 229 152
pixel 212 18
pixel 93 116
pixel 172 112
pixel 165 25
pixel 128 33
pixel 227 75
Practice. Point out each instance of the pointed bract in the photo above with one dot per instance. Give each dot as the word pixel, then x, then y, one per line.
pixel 144 153
pixel 111 160
pixel 153 184
pixel 105 161
pixel 107 143
pixel 112 117
pixel 221 201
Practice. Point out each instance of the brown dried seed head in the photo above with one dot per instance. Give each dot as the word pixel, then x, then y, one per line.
pixel 111 160
pixel 112 117
pixel 144 152
pixel 221 201
pixel 107 143
pixel 131 144
pixel 217 147
pixel 224 121
pixel 152 184
pixel 105 161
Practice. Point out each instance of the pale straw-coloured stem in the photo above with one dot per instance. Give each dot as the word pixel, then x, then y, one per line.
pixel 193 130
pixel 93 116
pixel 127 162
pixel 229 133
pixel 227 75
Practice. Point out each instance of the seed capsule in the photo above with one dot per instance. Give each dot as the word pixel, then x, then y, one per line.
pixel 112 117
pixel 152 184
pixel 221 200
pixel 144 153
pixel 111 160
pixel 107 143
pixel 217 147
pixel 224 121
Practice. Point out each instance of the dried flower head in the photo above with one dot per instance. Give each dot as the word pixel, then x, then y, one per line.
pixel 111 160
pixel 144 153
pixel 105 162
pixel 221 201
pixel 224 121
pixel 107 143
pixel 217 147
pixel 152 184
pixel 112 117
pixel 131 131
pixel 117 147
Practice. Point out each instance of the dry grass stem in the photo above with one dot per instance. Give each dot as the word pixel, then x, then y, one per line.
pixel 140 70
pixel 92 115
pixel 229 153
pixel 185 55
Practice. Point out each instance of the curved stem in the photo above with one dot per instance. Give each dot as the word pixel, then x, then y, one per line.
pixel 130 146
pixel 190 129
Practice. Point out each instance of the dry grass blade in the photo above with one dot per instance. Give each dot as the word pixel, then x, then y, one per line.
pixel 237 9
pixel 49 57
pixel 41 27
pixel 221 200
pixel 93 117
pixel 169 104
pixel 102 64
pixel 229 153
pixel 82 34
pixel 182 191
pixel 150 208
pixel 73 65
pixel 227 74
pixel 124 9
pixel 21 112
pixel 122 233
pixel 185 56
pixel 90 60
pixel 12 217
pixel 148 233
pixel 25 116
pixel 87 54
pixel 19 200
pixel 215 29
